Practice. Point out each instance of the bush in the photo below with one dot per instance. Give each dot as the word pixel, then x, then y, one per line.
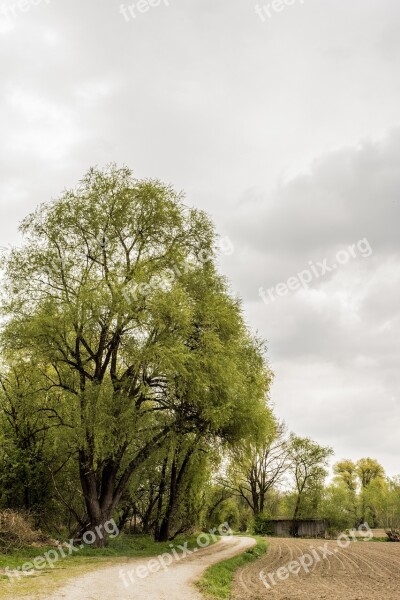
pixel 393 535
pixel 16 531
pixel 262 526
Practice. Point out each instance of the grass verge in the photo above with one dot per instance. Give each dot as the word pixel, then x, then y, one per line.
pixel 217 581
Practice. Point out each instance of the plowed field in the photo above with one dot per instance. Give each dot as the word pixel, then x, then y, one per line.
pixel 362 570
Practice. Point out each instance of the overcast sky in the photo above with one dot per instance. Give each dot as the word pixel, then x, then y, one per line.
pixel 284 125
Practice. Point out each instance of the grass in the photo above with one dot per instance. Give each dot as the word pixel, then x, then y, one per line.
pixel 134 546
pixel 217 581
pixel 46 581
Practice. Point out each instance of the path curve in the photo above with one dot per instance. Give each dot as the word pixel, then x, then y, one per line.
pixel 177 581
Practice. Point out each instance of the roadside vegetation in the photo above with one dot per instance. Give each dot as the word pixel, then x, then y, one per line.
pixel 217 581
pixel 129 546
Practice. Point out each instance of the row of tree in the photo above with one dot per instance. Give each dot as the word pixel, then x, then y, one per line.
pixel 286 476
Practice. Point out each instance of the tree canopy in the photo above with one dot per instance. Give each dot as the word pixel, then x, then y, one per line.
pixel 116 314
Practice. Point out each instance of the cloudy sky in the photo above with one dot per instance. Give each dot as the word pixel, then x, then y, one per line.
pixel 282 121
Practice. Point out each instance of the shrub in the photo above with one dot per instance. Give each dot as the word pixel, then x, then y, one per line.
pixel 393 535
pixel 16 531
pixel 262 525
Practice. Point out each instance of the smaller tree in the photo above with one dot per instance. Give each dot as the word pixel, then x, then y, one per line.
pixel 346 478
pixel 308 466
pixel 336 508
pixel 371 476
pixel 369 469
pixel 388 505
pixel 255 469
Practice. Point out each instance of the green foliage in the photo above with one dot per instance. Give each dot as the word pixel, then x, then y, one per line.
pixel 346 472
pixel 368 471
pixel 218 580
pixel 367 490
pixel 245 523
pixel 337 508
pixel 309 462
pixel 28 446
pixel 128 340
pixel 257 467
pixel 227 511
pixel 262 525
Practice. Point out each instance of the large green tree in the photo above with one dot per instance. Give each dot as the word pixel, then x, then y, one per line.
pixel 114 303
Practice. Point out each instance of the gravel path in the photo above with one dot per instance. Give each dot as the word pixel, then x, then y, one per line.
pixel 113 583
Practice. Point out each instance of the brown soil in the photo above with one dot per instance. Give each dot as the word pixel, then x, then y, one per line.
pixel 362 571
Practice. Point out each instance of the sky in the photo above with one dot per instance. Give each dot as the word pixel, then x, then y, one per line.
pixel 279 118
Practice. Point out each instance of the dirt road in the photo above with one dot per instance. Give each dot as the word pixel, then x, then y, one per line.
pixel 362 571
pixel 171 584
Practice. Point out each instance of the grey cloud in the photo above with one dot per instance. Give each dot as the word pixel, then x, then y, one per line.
pixel 285 131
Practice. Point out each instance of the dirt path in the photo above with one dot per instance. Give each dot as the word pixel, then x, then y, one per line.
pixel 175 582
pixel 362 571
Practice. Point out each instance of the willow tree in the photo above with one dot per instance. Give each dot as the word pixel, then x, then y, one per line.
pixel 346 477
pixel 114 300
pixel 257 468
pixel 364 480
pixel 308 464
pixel 373 484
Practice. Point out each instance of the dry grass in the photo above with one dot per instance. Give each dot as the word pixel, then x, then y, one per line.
pixel 16 531
pixel 46 583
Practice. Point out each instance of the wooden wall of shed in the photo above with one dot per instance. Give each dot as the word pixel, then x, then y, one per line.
pixel 283 528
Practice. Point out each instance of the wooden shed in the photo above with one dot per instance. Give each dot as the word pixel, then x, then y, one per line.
pixel 313 528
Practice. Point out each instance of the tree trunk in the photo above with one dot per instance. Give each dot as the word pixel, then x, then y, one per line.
pixel 161 492
pixel 164 533
pixel 98 502
pixel 124 517
pixel 176 478
pixel 294 530
pixel 255 497
pixel 102 499
pixel 262 501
